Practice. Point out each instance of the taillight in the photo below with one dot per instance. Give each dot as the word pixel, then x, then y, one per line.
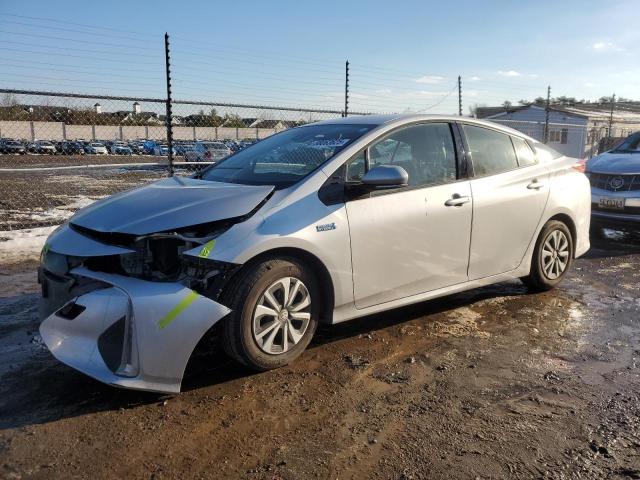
pixel 581 166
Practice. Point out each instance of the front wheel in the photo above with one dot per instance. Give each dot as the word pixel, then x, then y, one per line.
pixel 552 257
pixel 275 306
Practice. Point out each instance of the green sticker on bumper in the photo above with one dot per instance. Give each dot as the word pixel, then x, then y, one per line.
pixel 206 249
pixel 177 310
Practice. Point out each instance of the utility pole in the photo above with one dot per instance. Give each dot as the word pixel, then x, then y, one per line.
pixel 613 103
pixel 169 116
pixel 546 115
pixel 346 89
pixel 459 95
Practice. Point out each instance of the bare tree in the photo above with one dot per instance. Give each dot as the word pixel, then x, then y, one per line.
pixel 9 100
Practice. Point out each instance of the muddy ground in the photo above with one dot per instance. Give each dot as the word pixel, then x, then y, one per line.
pixel 493 383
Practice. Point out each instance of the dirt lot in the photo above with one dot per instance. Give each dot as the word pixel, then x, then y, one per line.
pixel 32 199
pixel 493 383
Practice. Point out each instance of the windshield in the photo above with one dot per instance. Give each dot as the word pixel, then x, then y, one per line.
pixel 630 145
pixel 285 158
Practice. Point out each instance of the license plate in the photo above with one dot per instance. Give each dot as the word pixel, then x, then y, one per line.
pixel 612 203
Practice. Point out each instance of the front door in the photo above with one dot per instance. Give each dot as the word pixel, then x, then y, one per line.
pixel 413 239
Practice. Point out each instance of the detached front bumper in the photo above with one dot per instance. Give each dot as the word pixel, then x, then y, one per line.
pixel 130 333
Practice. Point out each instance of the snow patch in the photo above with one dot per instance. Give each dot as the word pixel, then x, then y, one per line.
pixel 20 245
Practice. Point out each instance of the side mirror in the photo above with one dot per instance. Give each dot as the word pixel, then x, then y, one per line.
pixel 385 176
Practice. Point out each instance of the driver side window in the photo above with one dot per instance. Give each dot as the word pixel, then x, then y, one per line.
pixel 425 151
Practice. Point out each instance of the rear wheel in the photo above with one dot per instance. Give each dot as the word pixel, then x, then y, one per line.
pixel 275 307
pixel 552 257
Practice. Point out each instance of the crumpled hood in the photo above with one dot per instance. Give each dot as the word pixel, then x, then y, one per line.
pixel 170 203
pixel 612 162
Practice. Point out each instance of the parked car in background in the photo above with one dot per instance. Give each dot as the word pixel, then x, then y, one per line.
pixel 183 148
pixel 72 148
pixel 43 147
pixel 12 146
pixel 615 184
pixel 161 149
pixel 149 146
pixel 96 148
pixel 120 148
pixel 317 224
pixel 137 147
pixel 207 152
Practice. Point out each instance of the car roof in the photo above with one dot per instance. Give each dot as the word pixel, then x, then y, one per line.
pixel 400 119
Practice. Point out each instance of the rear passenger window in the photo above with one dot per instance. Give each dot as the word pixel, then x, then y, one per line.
pixel 491 152
pixel 523 151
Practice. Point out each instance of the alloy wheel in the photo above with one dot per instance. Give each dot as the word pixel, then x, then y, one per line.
pixel 555 254
pixel 281 316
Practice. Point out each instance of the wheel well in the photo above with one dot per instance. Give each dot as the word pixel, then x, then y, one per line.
pixel 314 263
pixel 568 221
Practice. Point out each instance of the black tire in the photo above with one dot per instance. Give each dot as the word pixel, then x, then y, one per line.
pixel 538 280
pixel 242 297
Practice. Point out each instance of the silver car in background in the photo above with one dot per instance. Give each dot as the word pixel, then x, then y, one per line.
pixel 96 148
pixel 317 224
pixel 207 152
pixel 615 184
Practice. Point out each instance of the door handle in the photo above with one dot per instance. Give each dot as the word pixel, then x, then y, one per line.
pixel 535 185
pixel 457 200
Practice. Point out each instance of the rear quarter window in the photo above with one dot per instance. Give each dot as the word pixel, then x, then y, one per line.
pixel 525 154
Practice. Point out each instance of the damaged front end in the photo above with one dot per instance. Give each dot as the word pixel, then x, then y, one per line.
pixel 129 285
pixel 131 314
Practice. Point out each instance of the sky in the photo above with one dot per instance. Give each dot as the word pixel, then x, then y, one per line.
pixel 404 55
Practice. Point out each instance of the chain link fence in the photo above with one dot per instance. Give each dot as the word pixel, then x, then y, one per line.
pixel 60 152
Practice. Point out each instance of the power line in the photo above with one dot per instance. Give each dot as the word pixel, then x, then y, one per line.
pixel 440 101
pixel 86 25
pixel 84 57
pixel 65 39
pixel 71 30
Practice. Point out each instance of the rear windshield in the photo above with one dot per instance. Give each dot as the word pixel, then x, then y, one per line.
pixel 287 157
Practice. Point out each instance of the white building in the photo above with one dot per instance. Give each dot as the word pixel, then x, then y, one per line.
pixel 575 131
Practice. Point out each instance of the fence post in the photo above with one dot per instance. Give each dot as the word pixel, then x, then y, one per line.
pixel 346 88
pixel 546 115
pixel 459 95
pixel 613 103
pixel 33 131
pixel 169 117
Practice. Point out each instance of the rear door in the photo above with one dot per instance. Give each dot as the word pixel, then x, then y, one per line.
pixel 510 191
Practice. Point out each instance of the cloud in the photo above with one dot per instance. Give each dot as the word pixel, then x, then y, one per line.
pixel 589 84
pixel 606 47
pixel 474 79
pixel 509 73
pixel 430 79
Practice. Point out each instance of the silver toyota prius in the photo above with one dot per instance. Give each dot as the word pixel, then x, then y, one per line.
pixel 322 223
